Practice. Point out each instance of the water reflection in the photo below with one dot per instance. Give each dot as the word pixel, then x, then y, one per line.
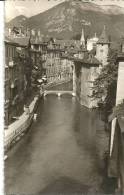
pixel 64 147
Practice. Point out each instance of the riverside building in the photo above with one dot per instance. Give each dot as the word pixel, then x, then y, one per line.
pixel 15 81
pixel 87 65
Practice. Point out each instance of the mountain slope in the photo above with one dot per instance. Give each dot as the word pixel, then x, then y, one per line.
pixel 65 20
pixel 19 20
pixel 112 9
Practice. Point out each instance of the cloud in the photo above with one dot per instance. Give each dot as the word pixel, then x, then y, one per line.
pixel 27 8
pixel 11 11
pixel 21 10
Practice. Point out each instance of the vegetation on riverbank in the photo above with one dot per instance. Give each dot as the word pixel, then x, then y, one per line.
pixel 106 83
pixel 118 111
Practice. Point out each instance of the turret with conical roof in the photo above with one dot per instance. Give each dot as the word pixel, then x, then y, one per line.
pixel 102 47
pixel 103 39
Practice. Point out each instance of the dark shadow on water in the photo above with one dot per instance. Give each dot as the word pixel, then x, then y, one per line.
pixel 109 184
pixel 68 186
pixel 65 185
pixel 66 96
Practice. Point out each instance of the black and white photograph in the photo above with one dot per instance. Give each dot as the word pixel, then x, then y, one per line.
pixel 63 88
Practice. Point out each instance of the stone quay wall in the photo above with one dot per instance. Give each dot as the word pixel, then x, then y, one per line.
pixel 17 129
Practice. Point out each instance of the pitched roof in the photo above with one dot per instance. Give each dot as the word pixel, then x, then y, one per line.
pixel 68 42
pixel 87 60
pixel 22 41
pixel 103 39
pixel 45 39
pixel 10 41
pixel 36 41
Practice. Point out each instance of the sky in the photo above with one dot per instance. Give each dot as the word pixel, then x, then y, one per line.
pixel 28 8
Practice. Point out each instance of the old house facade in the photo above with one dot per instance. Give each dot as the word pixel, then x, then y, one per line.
pixel 116 150
pixel 85 71
pixel 14 82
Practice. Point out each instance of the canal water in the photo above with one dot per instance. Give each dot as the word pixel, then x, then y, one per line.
pixel 62 153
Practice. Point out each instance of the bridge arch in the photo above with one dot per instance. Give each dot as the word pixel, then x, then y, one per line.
pixel 59 93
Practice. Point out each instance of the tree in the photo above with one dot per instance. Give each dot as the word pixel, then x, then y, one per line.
pixel 76 37
pixel 118 110
pixel 104 87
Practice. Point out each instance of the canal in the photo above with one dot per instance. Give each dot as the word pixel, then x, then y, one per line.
pixel 62 153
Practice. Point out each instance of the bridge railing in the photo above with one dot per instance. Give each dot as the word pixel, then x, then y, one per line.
pixel 58 93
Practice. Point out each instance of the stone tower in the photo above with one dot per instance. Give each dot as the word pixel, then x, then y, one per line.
pixel 102 47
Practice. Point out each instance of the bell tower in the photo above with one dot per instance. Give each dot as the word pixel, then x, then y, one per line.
pixel 102 47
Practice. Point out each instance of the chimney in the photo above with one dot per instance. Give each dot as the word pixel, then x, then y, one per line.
pixel 33 32
pixel 82 38
pixel 39 34
pixel 10 31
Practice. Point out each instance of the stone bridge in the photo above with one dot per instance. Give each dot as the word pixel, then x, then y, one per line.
pixel 59 93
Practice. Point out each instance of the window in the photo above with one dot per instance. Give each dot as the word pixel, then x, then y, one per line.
pixel 123 48
pixel 6 73
pixel 101 50
pixel 12 52
pixel 8 52
pixel 6 92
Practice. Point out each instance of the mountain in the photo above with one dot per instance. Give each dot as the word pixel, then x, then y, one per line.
pixel 17 21
pixel 112 9
pixel 65 20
